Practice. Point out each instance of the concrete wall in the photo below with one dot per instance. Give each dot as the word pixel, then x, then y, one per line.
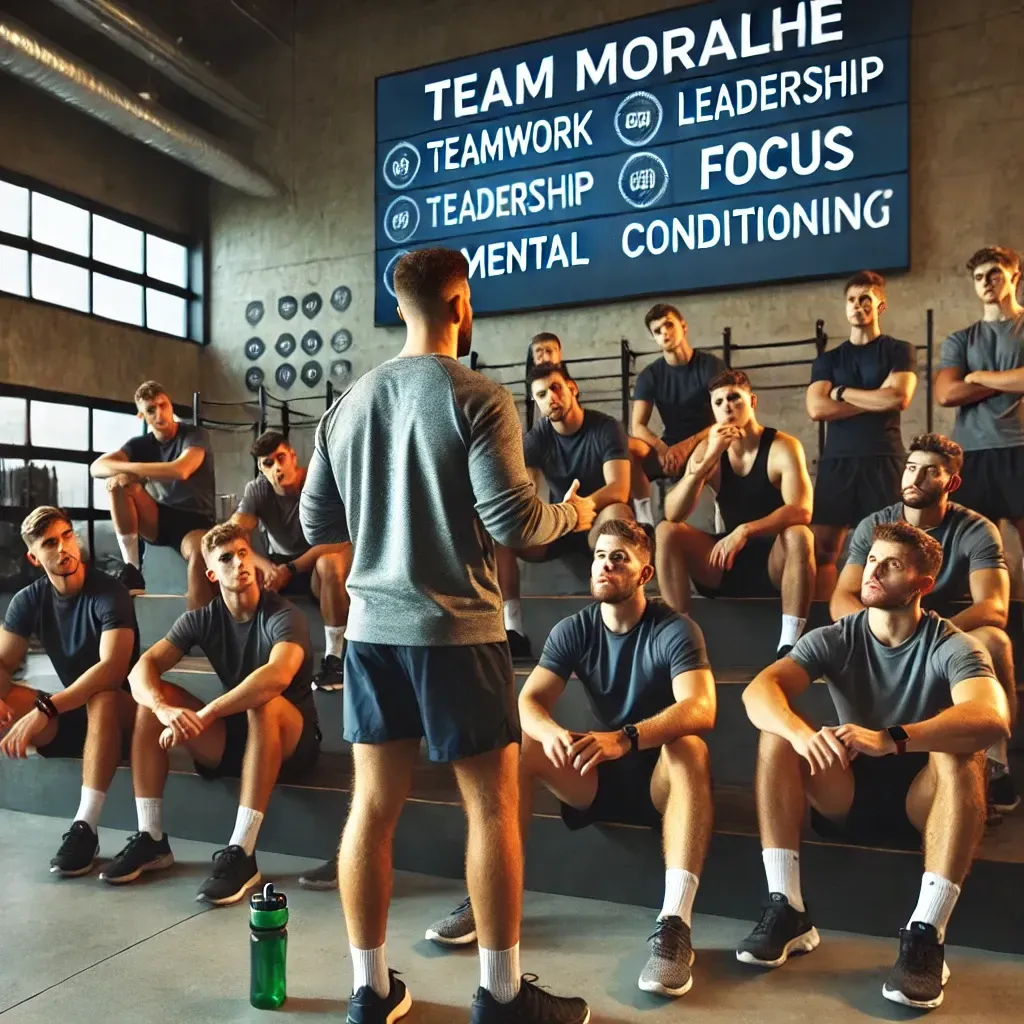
pixel 966 146
pixel 59 349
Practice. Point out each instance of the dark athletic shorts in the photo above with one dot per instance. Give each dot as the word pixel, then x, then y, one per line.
pixel 748 576
pixel 461 699
pixel 993 483
pixel 236 735
pixel 569 545
pixel 70 739
pixel 878 814
pixel 173 524
pixel 301 583
pixel 623 794
pixel 850 489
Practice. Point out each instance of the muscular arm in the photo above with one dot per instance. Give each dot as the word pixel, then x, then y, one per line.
pixel 823 409
pixel 616 484
pixel 979 717
pixel 895 394
pixel 261 686
pixel 538 697
pixel 180 468
pixel 116 646
pixel 12 652
pixel 1011 381
pixel 846 597
pixel 990 596
pixel 693 712
pixel 951 391
pixel 786 463
pixel 640 417
pixel 145 677
pixel 700 470
pixel 769 697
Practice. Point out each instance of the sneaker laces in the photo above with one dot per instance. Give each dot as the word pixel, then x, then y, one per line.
pixel 668 938
pixel 462 908
pixel 74 835
pixel 770 915
pixel 133 840
pixel 224 860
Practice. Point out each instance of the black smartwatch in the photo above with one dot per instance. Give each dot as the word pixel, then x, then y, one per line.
pixel 839 392
pixel 633 735
pixel 899 736
pixel 290 566
pixel 46 705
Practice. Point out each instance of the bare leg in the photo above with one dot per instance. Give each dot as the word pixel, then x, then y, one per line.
pixel 565 783
pixel 381 783
pixel 682 552
pixel 133 510
pixel 639 484
pixel 199 590
pixel 274 731
pixel 681 791
pixel 328 580
pixel 828 542
pixel 792 569
pixel 108 713
pixel 608 513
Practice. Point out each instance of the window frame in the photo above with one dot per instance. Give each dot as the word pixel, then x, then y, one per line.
pixel 196 309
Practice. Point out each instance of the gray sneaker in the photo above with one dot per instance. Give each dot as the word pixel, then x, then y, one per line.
pixel 323 878
pixel 457 929
pixel 667 972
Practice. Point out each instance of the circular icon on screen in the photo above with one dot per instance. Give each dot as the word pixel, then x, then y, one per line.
pixel 285 345
pixel 341 297
pixel 287 306
pixel 401 165
pixel 341 369
pixel 312 373
pixel 643 180
pixel 285 375
pixel 254 348
pixel 638 118
pixel 342 340
pixel 401 219
pixel 311 305
pixel 311 343
pixel 253 378
pixel 254 312
pixel 389 272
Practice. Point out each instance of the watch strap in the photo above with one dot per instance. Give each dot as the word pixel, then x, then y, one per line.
pixel 839 392
pixel 633 735
pixel 45 704
pixel 899 736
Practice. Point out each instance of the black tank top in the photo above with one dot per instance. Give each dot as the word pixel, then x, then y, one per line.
pixel 742 499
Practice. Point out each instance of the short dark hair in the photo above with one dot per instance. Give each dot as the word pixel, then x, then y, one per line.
pixel 659 311
pixel 421 276
pixel 222 533
pixel 866 279
pixel 546 336
pixel 730 379
pixel 39 520
pixel 631 532
pixel 545 370
pixel 926 550
pixel 267 443
pixel 939 444
pixel 148 390
pixel 1001 254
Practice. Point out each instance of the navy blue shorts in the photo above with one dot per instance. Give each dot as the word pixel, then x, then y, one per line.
pixel 461 699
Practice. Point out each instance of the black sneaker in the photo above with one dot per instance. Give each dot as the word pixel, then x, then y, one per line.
pixel 1002 793
pixel 331 675
pixel 532 1006
pixel 667 972
pixel 780 932
pixel 133 579
pixel 920 971
pixel 141 853
pixel 366 1007
pixel 456 929
pixel 783 652
pixel 322 878
pixel 519 646
pixel 77 854
pixel 234 871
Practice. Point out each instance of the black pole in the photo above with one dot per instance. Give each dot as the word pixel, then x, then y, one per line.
pixel 727 346
pixel 330 395
pixel 929 387
pixel 263 408
pixel 820 344
pixel 195 408
pixel 285 419
pixel 625 359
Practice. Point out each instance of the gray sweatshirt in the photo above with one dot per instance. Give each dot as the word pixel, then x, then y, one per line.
pixel 420 464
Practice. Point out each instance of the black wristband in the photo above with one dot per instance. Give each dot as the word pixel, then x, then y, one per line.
pixel 839 392
pixel 290 566
pixel 633 735
pixel 46 705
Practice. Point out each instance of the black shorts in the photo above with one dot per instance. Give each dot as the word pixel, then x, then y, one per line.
pixel 850 489
pixel 174 524
pixel 461 699
pixel 623 794
pixel 301 583
pixel 748 576
pixel 70 738
pixel 878 814
pixel 236 735
pixel 993 483
pixel 568 546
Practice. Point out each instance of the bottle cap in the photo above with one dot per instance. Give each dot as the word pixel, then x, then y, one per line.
pixel 268 909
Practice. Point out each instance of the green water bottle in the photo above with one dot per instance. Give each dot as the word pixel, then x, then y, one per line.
pixel 268 948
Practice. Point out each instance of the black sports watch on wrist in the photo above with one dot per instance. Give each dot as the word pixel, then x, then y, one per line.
pixel 899 736
pixel 45 705
pixel 839 392
pixel 633 735
pixel 290 566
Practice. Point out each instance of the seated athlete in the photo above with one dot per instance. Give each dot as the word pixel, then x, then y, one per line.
pixel 262 728
pixel 85 622
pixel 904 682
pixel 646 673
pixel 973 567
pixel 676 384
pixel 568 444
pixel 161 487
pixel 272 499
pixel 759 475
pixel 545 350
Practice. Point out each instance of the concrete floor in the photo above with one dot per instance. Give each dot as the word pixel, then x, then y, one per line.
pixel 80 951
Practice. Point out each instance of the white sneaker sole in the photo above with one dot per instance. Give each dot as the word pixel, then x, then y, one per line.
pixel 317 886
pixel 234 897
pixel 1006 808
pixel 164 861
pixel 444 940
pixel 397 1013
pixel 801 944
pixel 79 872
pixel 895 996
pixel 330 688
pixel 663 990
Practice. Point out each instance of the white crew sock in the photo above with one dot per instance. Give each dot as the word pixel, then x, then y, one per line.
pixel 644 513
pixel 512 612
pixel 499 972
pixel 792 627
pixel 371 969
pixel 150 810
pixel 335 640
pixel 782 867
pixel 680 889
pixel 247 828
pixel 129 545
pixel 997 753
pixel 936 902
pixel 90 806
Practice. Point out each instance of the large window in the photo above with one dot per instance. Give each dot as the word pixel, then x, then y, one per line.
pixel 69 252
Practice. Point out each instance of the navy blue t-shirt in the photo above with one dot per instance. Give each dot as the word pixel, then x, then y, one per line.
pixel 627 676
pixel 865 367
pixel 680 394
pixel 69 628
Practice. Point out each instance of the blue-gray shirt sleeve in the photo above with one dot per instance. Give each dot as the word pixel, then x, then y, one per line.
pixel 860 542
pixel 983 545
pixel 645 388
pixel 563 648
pixel 321 510
pixel 288 626
pixel 959 657
pixel 186 631
pixel 681 646
pixel 817 652
pixel 614 444
pixel 953 354
pixel 116 610
pixel 21 615
pixel 197 437
pixel 250 503
pixel 533 448
pixel 821 368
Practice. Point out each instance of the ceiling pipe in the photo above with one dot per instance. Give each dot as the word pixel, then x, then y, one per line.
pixel 26 55
pixel 156 48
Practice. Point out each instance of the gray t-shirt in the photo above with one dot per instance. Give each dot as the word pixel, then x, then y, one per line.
pixel 237 649
pixel 970 542
pixel 278 514
pixel 196 494
pixel 420 465
pixel 996 422
pixel 875 686
pixel 627 676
